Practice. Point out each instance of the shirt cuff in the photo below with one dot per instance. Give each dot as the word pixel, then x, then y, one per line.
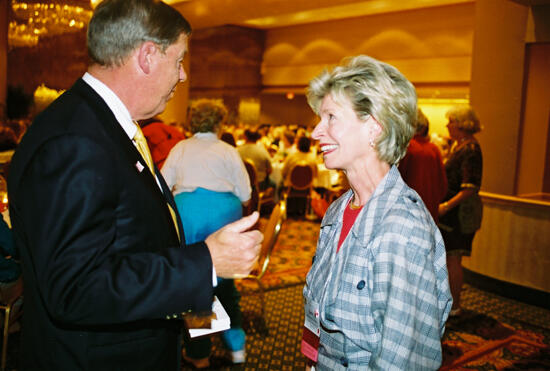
pixel 214 277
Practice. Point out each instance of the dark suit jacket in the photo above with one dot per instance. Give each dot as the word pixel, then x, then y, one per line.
pixel 102 265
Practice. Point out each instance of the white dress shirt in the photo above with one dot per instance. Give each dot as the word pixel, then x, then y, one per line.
pixel 205 161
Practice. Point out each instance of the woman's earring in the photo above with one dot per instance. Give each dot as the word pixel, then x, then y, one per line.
pixel 371 142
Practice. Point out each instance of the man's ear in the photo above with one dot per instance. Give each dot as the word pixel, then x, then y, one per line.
pixel 146 54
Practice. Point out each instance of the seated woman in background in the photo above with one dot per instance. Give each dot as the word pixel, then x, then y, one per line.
pixel 377 295
pixel 303 155
pixel 256 152
pixel 210 185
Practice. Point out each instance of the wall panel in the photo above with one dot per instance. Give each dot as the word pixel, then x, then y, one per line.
pixel 429 45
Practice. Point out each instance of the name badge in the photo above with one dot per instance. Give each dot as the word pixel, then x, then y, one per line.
pixel 312 331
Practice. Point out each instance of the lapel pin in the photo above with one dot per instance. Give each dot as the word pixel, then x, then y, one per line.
pixel 139 166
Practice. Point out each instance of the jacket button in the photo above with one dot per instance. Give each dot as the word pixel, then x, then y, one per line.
pixel 313 259
pixel 361 285
pixel 344 361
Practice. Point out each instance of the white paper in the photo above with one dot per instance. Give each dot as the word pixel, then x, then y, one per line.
pixel 222 322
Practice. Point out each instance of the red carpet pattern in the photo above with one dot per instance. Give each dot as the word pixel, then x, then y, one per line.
pixel 496 333
pixel 478 341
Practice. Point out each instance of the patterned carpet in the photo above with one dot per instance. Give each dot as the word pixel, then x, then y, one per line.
pixel 291 257
pixel 494 333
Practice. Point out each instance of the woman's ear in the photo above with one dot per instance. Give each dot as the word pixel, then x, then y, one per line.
pixel 375 127
pixel 146 54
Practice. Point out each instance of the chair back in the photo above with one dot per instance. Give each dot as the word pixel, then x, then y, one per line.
pixel 251 170
pixel 301 176
pixel 271 233
pixel 255 196
pixel 8 297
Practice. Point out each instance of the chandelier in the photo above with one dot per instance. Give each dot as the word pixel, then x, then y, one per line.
pixel 33 20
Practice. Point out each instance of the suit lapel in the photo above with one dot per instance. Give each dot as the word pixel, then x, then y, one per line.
pixel 114 131
pixel 170 200
pixel 116 134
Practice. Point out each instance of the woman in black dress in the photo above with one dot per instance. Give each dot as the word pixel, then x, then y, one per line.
pixel 460 212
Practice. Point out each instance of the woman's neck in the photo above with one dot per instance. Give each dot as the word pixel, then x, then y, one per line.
pixel 363 181
pixel 464 137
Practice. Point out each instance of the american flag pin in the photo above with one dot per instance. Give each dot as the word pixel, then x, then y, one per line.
pixel 139 166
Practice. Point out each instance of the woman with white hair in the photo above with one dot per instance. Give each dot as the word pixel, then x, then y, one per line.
pixel 461 212
pixel 211 187
pixel 377 294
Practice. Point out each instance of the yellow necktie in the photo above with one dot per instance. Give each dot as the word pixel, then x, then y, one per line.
pixel 143 148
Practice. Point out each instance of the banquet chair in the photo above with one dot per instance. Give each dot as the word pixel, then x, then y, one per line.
pixel 255 197
pixel 7 300
pixel 300 186
pixel 271 233
pixel 259 198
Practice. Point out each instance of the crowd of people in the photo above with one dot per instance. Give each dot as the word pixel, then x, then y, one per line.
pixel 125 231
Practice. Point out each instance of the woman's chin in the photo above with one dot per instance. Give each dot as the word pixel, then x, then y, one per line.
pixel 329 164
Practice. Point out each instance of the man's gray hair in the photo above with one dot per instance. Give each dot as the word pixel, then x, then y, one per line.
pixel 118 27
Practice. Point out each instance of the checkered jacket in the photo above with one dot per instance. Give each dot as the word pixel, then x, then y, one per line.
pixel 384 297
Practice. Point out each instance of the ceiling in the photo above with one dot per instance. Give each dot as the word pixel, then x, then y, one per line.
pixel 265 14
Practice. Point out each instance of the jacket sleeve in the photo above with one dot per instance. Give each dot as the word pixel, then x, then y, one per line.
pixel 406 299
pixel 96 259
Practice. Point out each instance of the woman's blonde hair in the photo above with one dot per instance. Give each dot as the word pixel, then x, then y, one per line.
pixel 373 88
pixel 465 118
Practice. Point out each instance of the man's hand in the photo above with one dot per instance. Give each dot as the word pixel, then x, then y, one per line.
pixel 234 249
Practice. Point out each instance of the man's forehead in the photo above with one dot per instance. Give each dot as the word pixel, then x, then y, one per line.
pixel 182 44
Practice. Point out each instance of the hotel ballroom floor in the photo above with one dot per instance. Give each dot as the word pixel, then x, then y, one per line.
pixel 494 333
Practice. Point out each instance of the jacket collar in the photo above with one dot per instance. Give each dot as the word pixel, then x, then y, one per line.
pixel 387 190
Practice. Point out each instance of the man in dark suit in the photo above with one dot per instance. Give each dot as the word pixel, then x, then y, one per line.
pixel 106 270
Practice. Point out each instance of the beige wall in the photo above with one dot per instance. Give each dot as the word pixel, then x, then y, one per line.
pixel 512 244
pixel 496 89
pixel 277 109
pixel 430 46
pixel 535 122
pixel 225 64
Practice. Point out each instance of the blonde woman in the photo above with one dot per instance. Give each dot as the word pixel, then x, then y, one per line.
pixel 377 295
